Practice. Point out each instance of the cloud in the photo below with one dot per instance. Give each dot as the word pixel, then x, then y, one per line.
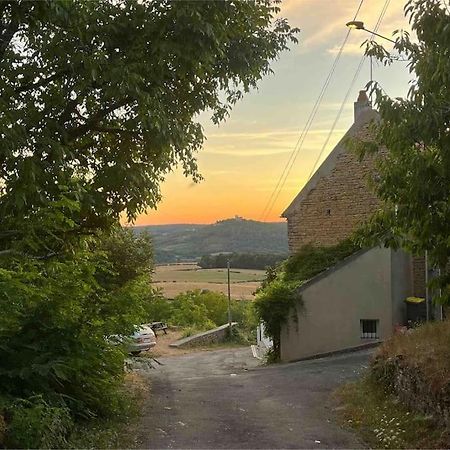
pixel 349 49
pixel 326 20
pixel 266 143
pixel 268 134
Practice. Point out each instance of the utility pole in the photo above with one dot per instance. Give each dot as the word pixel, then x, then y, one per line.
pixel 229 296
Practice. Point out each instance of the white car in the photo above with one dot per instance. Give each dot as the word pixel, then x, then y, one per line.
pixel 142 340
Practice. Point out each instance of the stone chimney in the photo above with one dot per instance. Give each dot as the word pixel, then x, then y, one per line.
pixel 362 104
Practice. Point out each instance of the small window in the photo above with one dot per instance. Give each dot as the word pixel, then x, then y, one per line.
pixel 328 212
pixel 369 329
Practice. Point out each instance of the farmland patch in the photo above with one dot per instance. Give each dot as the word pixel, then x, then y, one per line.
pixel 176 278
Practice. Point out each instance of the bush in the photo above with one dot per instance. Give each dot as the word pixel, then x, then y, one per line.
pixel 54 343
pixel 160 309
pixel 202 310
pixel 311 260
pixel 243 313
pixel 56 316
pixel 36 424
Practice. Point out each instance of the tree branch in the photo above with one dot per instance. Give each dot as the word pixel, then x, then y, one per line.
pixel 43 82
pixel 112 130
pixel 93 121
pixel 11 251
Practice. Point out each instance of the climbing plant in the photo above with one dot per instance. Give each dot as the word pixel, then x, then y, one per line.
pixel 279 295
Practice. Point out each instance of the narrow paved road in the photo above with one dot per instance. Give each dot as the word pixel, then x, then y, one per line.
pixel 221 399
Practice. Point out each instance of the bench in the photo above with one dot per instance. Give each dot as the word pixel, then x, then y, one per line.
pixel 159 326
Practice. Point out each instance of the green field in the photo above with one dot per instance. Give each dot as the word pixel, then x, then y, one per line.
pixel 192 273
pixel 176 278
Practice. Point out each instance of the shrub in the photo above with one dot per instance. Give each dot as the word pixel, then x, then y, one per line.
pixel 243 313
pixel 36 424
pixel 56 343
pixel 56 316
pixel 311 260
pixel 200 309
pixel 160 309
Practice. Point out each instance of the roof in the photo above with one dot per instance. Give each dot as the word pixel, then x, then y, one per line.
pixel 364 116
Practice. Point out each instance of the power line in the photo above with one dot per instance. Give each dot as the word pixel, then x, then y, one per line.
pixel 293 156
pixel 344 102
pixel 274 197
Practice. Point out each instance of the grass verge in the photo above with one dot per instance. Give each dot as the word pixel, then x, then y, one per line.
pixel 382 422
pixel 117 432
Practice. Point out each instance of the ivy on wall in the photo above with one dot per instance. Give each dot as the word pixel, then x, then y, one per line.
pixel 279 293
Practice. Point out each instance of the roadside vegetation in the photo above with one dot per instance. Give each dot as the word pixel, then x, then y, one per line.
pixel 59 368
pixel 384 422
pixel 201 310
pixel 92 119
pixel 403 401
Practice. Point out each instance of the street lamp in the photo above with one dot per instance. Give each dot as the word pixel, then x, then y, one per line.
pixel 358 25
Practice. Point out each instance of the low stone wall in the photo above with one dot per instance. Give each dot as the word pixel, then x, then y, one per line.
pixel 412 388
pixel 208 337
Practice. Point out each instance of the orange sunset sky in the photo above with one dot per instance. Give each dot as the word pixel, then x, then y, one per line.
pixel 243 158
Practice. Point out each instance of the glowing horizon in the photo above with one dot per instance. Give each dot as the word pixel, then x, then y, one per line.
pixel 243 158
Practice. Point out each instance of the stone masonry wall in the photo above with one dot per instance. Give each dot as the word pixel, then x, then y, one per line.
pixel 338 204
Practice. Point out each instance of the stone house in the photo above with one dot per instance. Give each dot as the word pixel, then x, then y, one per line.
pixel 361 299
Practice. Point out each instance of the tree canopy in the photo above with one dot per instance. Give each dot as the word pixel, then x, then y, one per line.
pixel 100 100
pixel 414 175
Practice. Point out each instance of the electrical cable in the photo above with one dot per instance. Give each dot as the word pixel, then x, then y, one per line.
pixel 294 154
pixel 344 102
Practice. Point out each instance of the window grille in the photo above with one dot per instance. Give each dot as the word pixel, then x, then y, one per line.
pixel 369 329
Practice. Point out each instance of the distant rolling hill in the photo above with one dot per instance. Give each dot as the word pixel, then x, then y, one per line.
pixel 191 241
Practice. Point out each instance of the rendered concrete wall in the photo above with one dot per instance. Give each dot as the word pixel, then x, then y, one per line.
pixel 208 337
pixel 334 303
pixel 402 285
